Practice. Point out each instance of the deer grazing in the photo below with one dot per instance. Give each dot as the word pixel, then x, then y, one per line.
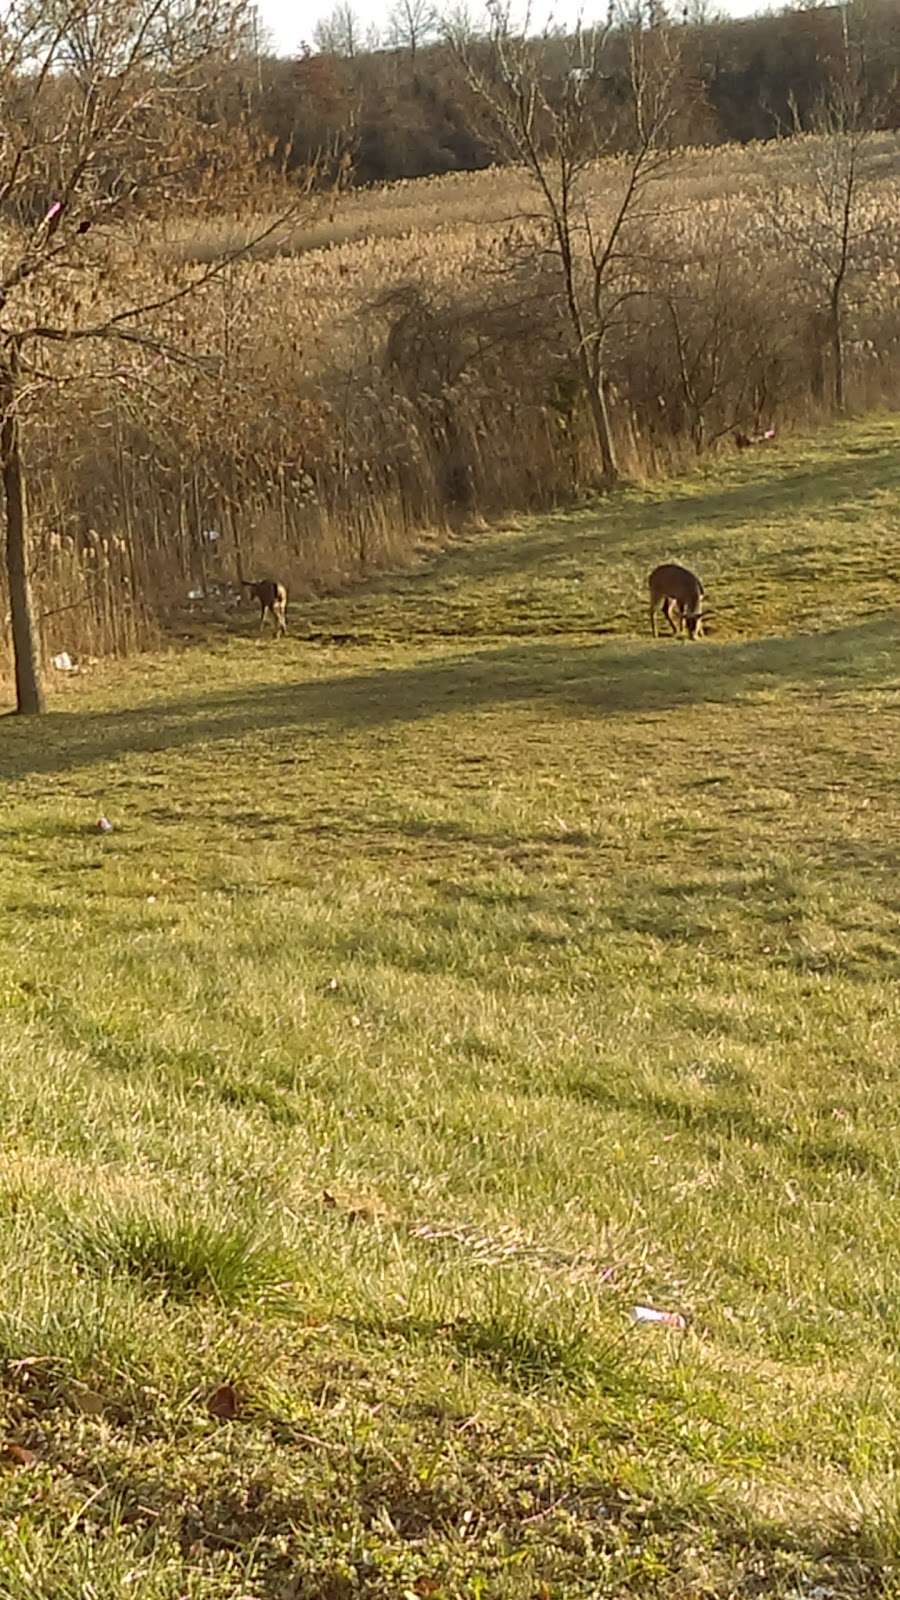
pixel 672 585
pixel 272 599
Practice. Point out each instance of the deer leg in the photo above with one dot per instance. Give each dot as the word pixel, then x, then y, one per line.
pixel 653 618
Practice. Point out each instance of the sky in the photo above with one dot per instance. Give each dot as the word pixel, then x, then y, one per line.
pixel 289 22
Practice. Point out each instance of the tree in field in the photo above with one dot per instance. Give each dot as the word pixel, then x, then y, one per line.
pixel 822 212
pixel 556 112
pixel 341 33
pixel 459 25
pixel 412 23
pixel 107 119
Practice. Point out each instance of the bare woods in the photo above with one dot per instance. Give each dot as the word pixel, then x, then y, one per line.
pixel 261 379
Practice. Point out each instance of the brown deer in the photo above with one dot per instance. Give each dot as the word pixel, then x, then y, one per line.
pixel 672 585
pixel 272 599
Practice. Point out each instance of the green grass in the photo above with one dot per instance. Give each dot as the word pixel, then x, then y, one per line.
pixel 459 973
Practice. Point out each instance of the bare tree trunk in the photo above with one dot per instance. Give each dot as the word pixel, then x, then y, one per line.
pixel 596 394
pixel 608 457
pixel 818 342
pixel 837 354
pixel 26 642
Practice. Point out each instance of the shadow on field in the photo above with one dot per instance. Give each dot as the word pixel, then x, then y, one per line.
pixel 621 528
pixel 718 1123
pixel 580 680
pixel 374 1490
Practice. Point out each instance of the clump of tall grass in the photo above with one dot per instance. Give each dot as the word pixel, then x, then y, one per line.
pixel 177 1255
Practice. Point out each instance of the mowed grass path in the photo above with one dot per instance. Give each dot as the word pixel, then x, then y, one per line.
pixel 458 974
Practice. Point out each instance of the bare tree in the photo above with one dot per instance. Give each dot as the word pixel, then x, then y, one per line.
pixel 412 23
pixel 822 211
pixel 107 114
pixel 340 33
pixel 707 312
pixel 702 13
pixel 458 25
pixel 557 122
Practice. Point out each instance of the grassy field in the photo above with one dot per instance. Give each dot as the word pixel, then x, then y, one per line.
pixel 457 975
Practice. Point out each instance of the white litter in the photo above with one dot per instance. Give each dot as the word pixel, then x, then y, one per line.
pixel 665 1319
pixel 63 662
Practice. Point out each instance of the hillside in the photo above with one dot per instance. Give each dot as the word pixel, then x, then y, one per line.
pixel 400 365
pixel 459 974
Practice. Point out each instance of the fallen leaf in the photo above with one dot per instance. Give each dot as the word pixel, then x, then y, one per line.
pixel 224 1403
pixel 19 1455
pixel 328 1198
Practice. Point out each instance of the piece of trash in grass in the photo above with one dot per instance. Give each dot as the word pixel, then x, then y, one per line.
pixel 104 825
pixel 195 594
pixel 665 1319
pixel 63 662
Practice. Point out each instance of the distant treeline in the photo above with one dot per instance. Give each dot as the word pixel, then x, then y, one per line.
pixel 405 111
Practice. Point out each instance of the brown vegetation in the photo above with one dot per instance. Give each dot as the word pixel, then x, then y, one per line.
pixel 411 361
pixel 389 384
pixel 105 110
pixel 404 107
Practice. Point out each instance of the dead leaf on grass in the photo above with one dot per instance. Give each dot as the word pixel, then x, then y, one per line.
pixel 224 1403
pixel 18 1455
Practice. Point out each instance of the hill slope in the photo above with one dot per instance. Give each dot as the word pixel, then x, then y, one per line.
pixel 457 975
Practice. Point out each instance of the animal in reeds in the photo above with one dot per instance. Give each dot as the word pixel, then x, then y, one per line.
pixel 272 599
pixel 671 586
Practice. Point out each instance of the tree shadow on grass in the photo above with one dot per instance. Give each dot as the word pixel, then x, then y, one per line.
pixel 721 1122
pixel 625 528
pixel 607 680
pixel 318 1531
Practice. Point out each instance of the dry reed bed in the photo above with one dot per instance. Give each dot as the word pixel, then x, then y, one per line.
pixel 451 201
pixel 413 373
